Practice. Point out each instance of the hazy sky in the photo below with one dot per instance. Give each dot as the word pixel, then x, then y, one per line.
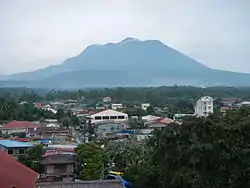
pixel 38 33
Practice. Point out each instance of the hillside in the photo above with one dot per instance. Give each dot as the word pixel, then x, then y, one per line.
pixel 130 62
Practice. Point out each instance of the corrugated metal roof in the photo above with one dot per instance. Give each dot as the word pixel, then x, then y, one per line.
pixel 14 144
pixel 20 125
pixel 83 184
pixel 15 174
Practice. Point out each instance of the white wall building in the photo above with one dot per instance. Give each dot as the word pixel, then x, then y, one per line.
pixel 107 99
pixel 116 106
pixel 109 116
pixel 144 106
pixel 204 106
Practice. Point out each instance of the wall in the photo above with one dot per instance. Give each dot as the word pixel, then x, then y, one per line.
pixel 49 169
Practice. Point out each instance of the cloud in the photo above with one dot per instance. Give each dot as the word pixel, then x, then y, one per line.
pixel 35 34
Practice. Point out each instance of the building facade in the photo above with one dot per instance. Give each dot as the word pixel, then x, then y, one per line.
pixel 14 148
pixel 144 106
pixel 116 106
pixel 204 106
pixel 108 116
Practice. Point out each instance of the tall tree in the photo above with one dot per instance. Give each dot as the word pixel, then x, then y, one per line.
pixel 91 160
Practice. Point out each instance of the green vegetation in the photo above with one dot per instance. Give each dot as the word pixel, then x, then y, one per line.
pixel 204 152
pixel 32 158
pixel 91 158
pixel 10 110
pixel 201 153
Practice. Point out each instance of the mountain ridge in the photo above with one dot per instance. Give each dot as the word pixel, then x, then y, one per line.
pixel 129 62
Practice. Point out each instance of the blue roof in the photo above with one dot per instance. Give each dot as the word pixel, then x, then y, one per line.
pixel 14 144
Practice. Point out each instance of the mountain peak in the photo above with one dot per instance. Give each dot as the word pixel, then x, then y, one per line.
pixel 128 39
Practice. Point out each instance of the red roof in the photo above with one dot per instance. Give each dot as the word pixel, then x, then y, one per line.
pixel 23 139
pixel 38 104
pixel 20 124
pixel 164 120
pixel 15 174
pixel 66 149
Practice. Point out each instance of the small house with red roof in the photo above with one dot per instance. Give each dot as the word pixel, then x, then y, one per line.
pixel 14 174
pixel 19 127
pixel 160 123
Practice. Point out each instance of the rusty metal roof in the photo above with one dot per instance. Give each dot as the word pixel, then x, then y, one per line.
pixel 82 184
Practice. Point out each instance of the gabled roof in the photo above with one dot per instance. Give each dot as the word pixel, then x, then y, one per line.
pixel 15 144
pixel 109 112
pixel 20 125
pixel 165 120
pixel 82 184
pixel 15 174
pixel 150 118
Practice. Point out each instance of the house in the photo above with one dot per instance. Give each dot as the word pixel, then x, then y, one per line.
pixel 107 99
pixel 224 109
pixel 148 118
pixel 49 132
pixel 245 103
pixel 204 106
pixel 159 123
pixel 49 109
pixel 14 148
pixel 116 106
pixel 100 106
pixel 108 128
pixel 19 127
pixel 38 104
pixel 144 106
pixel 82 184
pixel 59 165
pixel 14 174
pixel 180 116
pixel 109 116
pixel 51 123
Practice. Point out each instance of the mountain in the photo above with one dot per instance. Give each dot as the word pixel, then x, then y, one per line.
pixel 130 62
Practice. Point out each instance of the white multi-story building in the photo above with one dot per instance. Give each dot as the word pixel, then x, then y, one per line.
pixel 204 106
pixel 144 106
pixel 109 116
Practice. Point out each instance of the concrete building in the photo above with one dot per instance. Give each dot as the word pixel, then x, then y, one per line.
pixel 59 165
pixel 116 106
pixel 109 116
pixel 144 106
pixel 149 118
pixel 204 106
pixel 19 127
pixel 107 99
pixel 108 128
pixel 14 148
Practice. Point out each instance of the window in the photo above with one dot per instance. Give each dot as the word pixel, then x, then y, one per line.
pixel 113 117
pixel 98 118
pixel 121 117
pixel 21 151
pixel 105 117
pixel 10 151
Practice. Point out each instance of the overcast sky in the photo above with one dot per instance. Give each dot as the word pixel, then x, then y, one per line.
pixel 38 33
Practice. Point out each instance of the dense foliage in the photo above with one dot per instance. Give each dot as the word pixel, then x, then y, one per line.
pixel 10 110
pixel 211 152
pixel 91 159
